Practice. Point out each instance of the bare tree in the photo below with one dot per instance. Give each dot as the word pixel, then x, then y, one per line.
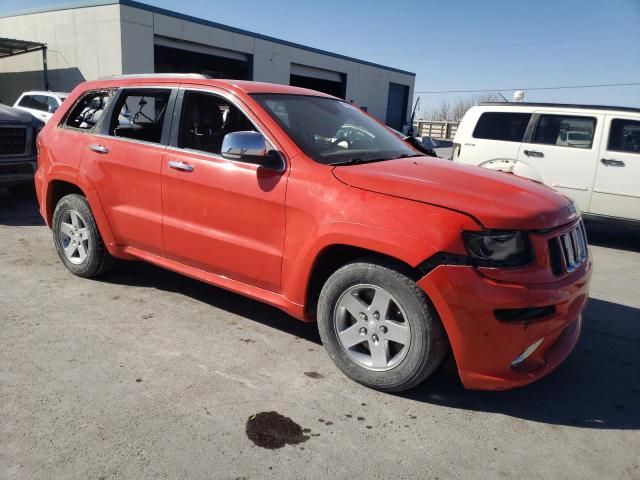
pixel 454 111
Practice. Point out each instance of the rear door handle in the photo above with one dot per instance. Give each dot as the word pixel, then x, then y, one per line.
pixel 609 162
pixel 99 148
pixel 183 167
pixel 533 153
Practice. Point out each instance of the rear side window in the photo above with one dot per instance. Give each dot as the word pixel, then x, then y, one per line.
pixel 505 126
pixel 140 114
pixel 624 136
pixel 565 131
pixel 88 111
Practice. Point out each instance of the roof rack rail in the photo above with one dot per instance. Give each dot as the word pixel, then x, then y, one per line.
pixel 156 75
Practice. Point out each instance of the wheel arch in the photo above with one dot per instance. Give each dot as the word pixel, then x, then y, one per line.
pixel 59 186
pixel 334 256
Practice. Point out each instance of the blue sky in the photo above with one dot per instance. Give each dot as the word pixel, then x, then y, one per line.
pixel 457 45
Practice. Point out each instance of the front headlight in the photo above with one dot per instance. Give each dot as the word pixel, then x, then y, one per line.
pixel 498 248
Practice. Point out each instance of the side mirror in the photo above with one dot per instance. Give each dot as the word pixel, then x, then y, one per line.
pixel 52 108
pixel 250 147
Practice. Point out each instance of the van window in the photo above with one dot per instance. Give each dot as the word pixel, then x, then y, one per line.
pixel 505 126
pixel 140 114
pixel 565 131
pixel 86 113
pixel 624 136
pixel 206 119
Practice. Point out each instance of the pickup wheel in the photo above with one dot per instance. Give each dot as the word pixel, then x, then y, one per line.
pixel 77 239
pixel 379 328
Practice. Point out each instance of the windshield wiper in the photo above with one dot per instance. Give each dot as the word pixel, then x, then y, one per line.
pixel 355 161
pixel 358 160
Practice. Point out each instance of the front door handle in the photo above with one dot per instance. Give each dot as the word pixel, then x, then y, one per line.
pixel 183 167
pixel 609 162
pixel 99 148
pixel 533 153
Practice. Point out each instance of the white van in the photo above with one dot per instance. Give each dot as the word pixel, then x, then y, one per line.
pixel 41 105
pixel 589 153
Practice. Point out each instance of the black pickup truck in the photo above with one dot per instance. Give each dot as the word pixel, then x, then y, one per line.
pixel 18 156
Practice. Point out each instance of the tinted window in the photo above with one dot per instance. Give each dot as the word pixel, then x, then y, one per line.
pixel 140 114
pixel 206 119
pixel 624 136
pixel 86 113
pixel 26 102
pixel 509 127
pixel 565 131
pixel 37 102
pixel 331 131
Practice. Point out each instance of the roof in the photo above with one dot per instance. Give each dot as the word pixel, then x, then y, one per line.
pixel 10 46
pixel 201 21
pixel 196 79
pixel 561 105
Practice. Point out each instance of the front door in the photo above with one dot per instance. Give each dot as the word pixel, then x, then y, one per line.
pixel 563 149
pixel 616 191
pixel 225 217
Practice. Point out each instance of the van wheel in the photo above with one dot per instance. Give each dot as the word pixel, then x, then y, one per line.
pixel 77 239
pixel 379 328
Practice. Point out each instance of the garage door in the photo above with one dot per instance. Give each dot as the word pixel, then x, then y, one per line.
pixel 397 105
pixel 173 56
pixel 327 81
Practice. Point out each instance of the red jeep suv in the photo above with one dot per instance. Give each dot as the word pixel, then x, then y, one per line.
pixel 302 201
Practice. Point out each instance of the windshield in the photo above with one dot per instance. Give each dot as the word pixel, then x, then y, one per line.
pixel 331 131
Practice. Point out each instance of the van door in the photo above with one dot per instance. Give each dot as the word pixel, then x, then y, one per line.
pixel 616 191
pixel 563 149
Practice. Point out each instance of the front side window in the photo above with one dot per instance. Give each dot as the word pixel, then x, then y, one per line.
pixel 87 112
pixel 331 131
pixel 505 126
pixel 139 115
pixel 206 119
pixel 624 136
pixel 565 131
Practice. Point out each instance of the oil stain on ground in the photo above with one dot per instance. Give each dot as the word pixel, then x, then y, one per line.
pixel 272 430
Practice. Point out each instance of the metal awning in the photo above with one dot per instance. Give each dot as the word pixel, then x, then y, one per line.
pixel 10 47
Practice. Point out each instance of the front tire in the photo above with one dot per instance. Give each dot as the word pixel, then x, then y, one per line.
pixel 379 328
pixel 77 239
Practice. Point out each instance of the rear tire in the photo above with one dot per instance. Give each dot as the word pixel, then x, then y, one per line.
pixel 390 348
pixel 77 239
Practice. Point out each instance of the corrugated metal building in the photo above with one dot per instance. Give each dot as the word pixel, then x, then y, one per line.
pixel 93 39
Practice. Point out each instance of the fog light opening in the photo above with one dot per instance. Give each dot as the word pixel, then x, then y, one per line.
pixel 527 353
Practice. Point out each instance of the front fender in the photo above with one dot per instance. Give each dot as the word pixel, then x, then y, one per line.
pixel 297 270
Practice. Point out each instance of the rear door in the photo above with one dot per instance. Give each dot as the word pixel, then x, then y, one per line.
pixel 124 161
pixel 563 149
pixel 616 191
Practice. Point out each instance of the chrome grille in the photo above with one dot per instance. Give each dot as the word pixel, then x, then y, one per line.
pixel 13 140
pixel 574 247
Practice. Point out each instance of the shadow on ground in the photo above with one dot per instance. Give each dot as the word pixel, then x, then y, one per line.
pixel 613 234
pixel 597 387
pixel 19 210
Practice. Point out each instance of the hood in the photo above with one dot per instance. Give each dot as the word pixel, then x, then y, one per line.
pixel 497 200
pixel 14 115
